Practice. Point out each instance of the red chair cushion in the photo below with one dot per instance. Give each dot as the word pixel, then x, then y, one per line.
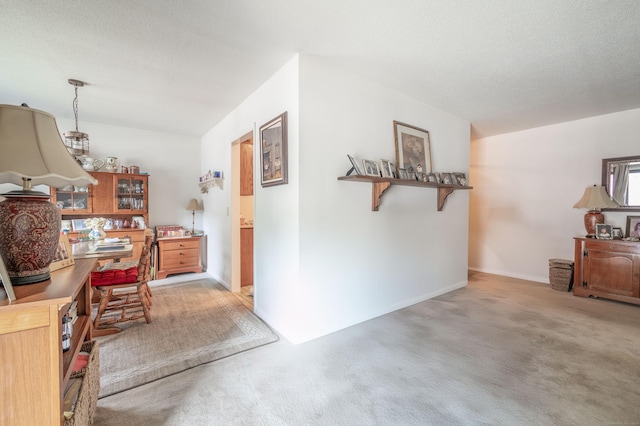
pixel 114 276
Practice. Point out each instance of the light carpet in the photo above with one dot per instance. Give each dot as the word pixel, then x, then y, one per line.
pixel 194 323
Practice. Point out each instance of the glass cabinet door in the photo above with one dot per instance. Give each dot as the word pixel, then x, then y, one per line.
pixel 131 194
pixel 72 199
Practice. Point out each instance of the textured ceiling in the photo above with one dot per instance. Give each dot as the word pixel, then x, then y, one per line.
pixel 181 66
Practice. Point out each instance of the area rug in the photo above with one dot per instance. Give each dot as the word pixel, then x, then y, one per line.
pixel 195 322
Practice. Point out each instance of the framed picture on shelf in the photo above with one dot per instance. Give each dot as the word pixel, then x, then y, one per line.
pixel 603 231
pixel 413 148
pixel 386 167
pixel 616 233
pixel 447 179
pixel 273 151
pixel 354 165
pixel 371 168
pixel 633 226
pixel 6 282
pixel 79 225
pixel 64 256
pixel 459 179
pixel 402 174
pixel 431 177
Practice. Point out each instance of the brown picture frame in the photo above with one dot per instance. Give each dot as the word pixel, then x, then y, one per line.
pixel 64 256
pixel 632 223
pixel 273 151
pixel 413 147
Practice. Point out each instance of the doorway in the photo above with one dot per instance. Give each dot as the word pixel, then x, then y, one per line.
pixel 242 218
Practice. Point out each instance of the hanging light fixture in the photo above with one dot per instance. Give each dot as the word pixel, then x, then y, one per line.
pixel 76 142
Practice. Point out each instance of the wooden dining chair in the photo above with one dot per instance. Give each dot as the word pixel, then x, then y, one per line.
pixel 124 294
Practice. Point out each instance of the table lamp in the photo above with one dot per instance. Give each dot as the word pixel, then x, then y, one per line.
pixel 33 153
pixel 193 206
pixel 594 198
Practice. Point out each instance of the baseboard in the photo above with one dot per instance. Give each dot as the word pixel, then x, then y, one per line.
pixel 544 280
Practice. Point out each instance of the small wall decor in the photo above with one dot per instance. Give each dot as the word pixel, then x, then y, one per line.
pixel 387 168
pixel 413 148
pixel 633 226
pixel 273 151
pixel 371 168
pixel 63 257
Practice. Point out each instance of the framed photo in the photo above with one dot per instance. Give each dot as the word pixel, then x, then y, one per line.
pixel 355 165
pixel 413 148
pixel 459 179
pixel 273 151
pixel 371 168
pixel 6 282
pixel 633 226
pixel 447 179
pixel 603 231
pixel 79 225
pixel 617 233
pixel 63 257
pixel 402 174
pixel 386 167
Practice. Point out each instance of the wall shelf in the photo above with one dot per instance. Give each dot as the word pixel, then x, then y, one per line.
pixel 379 185
pixel 211 183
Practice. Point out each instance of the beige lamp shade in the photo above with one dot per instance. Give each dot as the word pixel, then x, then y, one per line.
pixel 595 198
pixel 32 147
pixel 194 205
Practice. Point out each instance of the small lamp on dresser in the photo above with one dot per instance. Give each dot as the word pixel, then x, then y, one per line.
pixel 595 198
pixel 193 206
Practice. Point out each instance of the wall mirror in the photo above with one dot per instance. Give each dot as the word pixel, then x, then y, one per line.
pixel 621 178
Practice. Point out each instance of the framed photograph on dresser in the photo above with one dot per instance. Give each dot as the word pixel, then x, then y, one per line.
pixel 603 231
pixel 6 282
pixel 633 226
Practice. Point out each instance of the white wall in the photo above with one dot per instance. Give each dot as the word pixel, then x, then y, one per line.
pixel 172 162
pixel 323 259
pixel 526 184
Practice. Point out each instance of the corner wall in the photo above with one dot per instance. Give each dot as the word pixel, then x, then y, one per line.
pixel 526 183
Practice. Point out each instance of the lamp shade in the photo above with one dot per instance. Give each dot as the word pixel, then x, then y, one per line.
pixel 194 205
pixel 595 198
pixel 32 147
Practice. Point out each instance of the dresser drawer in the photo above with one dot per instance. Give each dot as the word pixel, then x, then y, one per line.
pixel 185 256
pixel 181 244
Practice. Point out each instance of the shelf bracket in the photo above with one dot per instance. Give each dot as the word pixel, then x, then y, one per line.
pixel 443 193
pixel 377 189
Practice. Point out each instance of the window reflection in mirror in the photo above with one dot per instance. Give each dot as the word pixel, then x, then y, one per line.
pixel 621 177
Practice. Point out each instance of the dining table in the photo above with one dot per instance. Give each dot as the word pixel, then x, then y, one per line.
pixel 102 251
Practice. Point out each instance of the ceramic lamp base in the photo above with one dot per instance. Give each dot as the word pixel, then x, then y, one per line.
pixel 591 219
pixel 29 235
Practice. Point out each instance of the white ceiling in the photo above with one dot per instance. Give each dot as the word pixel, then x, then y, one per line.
pixel 181 66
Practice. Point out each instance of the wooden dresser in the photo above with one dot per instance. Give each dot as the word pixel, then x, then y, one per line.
pixel 35 370
pixel 178 255
pixel 607 268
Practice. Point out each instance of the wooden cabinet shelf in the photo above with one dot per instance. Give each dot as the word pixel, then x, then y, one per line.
pixel 36 370
pixel 379 185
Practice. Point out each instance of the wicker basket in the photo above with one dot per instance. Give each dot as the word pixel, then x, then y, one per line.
pixel 561 274
pixel 88 396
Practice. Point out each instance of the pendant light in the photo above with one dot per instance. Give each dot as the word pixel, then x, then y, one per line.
pixel 76 142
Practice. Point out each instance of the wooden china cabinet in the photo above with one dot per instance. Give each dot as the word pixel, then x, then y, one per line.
pixel 117 196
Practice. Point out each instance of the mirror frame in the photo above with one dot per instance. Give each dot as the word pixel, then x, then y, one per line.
pixel 605 181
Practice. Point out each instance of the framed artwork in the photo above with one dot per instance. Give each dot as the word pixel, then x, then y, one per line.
pixel 371 168
pixel 459 179
pixel 63 257
pixel 413 148
pixel 447 179
pixel 386 167
pixel 431 177
pixel 6 282
pixel 354 165
pixel 273 151
pixel 79 225
pixel 616 233
pixel 603 231
pixel 402 174
pixel 633 226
